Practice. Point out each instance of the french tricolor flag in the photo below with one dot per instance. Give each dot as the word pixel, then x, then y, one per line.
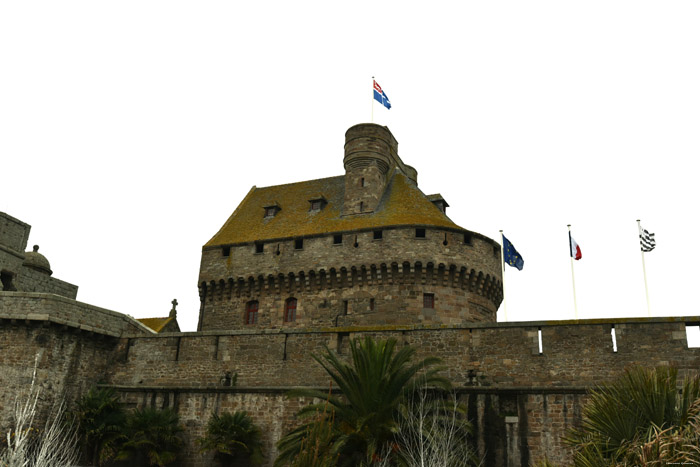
pixel 575 250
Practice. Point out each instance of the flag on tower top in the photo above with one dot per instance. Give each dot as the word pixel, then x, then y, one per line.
pixel 575 250
pixel 380 95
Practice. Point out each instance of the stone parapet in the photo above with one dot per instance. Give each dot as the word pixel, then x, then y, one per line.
pixel 574 353
pixel 50 308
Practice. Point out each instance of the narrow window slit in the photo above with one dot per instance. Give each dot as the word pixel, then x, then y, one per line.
pixel 614 338
pixel 539 339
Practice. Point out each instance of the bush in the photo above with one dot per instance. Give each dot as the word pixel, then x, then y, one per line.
pixel 234 438
pixel 152 437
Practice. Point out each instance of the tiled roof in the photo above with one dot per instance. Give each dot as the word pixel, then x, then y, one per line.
pixel 157 324
pixel 401 204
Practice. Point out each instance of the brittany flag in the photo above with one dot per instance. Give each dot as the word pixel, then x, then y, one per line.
pixel 380 95
pixel 574 249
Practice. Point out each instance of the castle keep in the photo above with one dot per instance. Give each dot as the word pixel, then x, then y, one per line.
pixel 309 265
pixel 364 248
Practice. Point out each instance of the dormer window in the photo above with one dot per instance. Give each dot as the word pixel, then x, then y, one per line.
pixel 317 203
pixel 439 202
pixel 271 210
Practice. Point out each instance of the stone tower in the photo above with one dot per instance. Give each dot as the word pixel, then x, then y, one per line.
pixel 371 157
pixel 367 247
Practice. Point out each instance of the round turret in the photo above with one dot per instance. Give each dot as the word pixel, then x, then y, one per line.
pixel 368 143
pixel 37 261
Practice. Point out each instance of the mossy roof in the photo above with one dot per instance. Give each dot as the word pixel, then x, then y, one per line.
pixel 157 324
pixel 402 204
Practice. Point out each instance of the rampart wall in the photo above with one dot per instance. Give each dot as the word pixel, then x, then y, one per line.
pixel 69 361
pixel 521 401
pixel 50 308
pixel 502 354
pixel 34 281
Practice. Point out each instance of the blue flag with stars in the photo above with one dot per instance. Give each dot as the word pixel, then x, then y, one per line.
pixel 511 256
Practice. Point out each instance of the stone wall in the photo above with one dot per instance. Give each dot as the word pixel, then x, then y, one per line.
pixel 49 308
pixel 14 233
pixel 510 428
pixel 30 280
pixel 13 240
pixel 462 272
pixel 68 360
pixel 15 273
pixel 520 400
pixel 502 354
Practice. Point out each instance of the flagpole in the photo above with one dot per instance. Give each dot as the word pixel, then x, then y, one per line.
pixel 503 268
pixel 644 268
pixel 372 118
pixel 573 281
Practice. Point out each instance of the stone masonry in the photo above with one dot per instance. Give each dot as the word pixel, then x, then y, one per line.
pixel 305 267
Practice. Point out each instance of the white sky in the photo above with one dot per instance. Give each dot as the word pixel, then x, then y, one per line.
pixel 129 131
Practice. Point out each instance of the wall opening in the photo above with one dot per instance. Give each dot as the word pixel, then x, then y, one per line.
pixel 539 339
pixel 226 251
pixel 337 239
pixel 342 342
pixel 377 235
pixel 6 279
pixel 428 300
pixel 614 338
pixel 258 247
pixel 692 334
pixel 420 233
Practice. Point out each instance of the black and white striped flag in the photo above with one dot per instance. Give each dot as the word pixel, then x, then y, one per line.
pixel 646 239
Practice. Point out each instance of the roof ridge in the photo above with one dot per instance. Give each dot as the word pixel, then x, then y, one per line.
pixel 299 183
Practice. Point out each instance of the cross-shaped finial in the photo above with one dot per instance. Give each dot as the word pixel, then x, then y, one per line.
pixel 173 312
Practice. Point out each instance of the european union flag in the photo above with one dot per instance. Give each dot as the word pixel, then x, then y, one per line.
pixel 511 256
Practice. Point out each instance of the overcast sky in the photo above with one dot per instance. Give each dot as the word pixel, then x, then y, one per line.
pixel 129 132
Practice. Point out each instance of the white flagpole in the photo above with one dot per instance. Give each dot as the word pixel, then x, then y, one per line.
pixel 503 268
pixel 372 118
pixel 644 268
pixel 573 281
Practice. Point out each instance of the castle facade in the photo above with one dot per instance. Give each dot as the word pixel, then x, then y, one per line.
pixel 303 267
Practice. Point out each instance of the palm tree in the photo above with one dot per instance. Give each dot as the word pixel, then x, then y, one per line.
pixel 152 437
pixel 373 387
pixel 631 412
pixel 101 422
pixel 234 437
